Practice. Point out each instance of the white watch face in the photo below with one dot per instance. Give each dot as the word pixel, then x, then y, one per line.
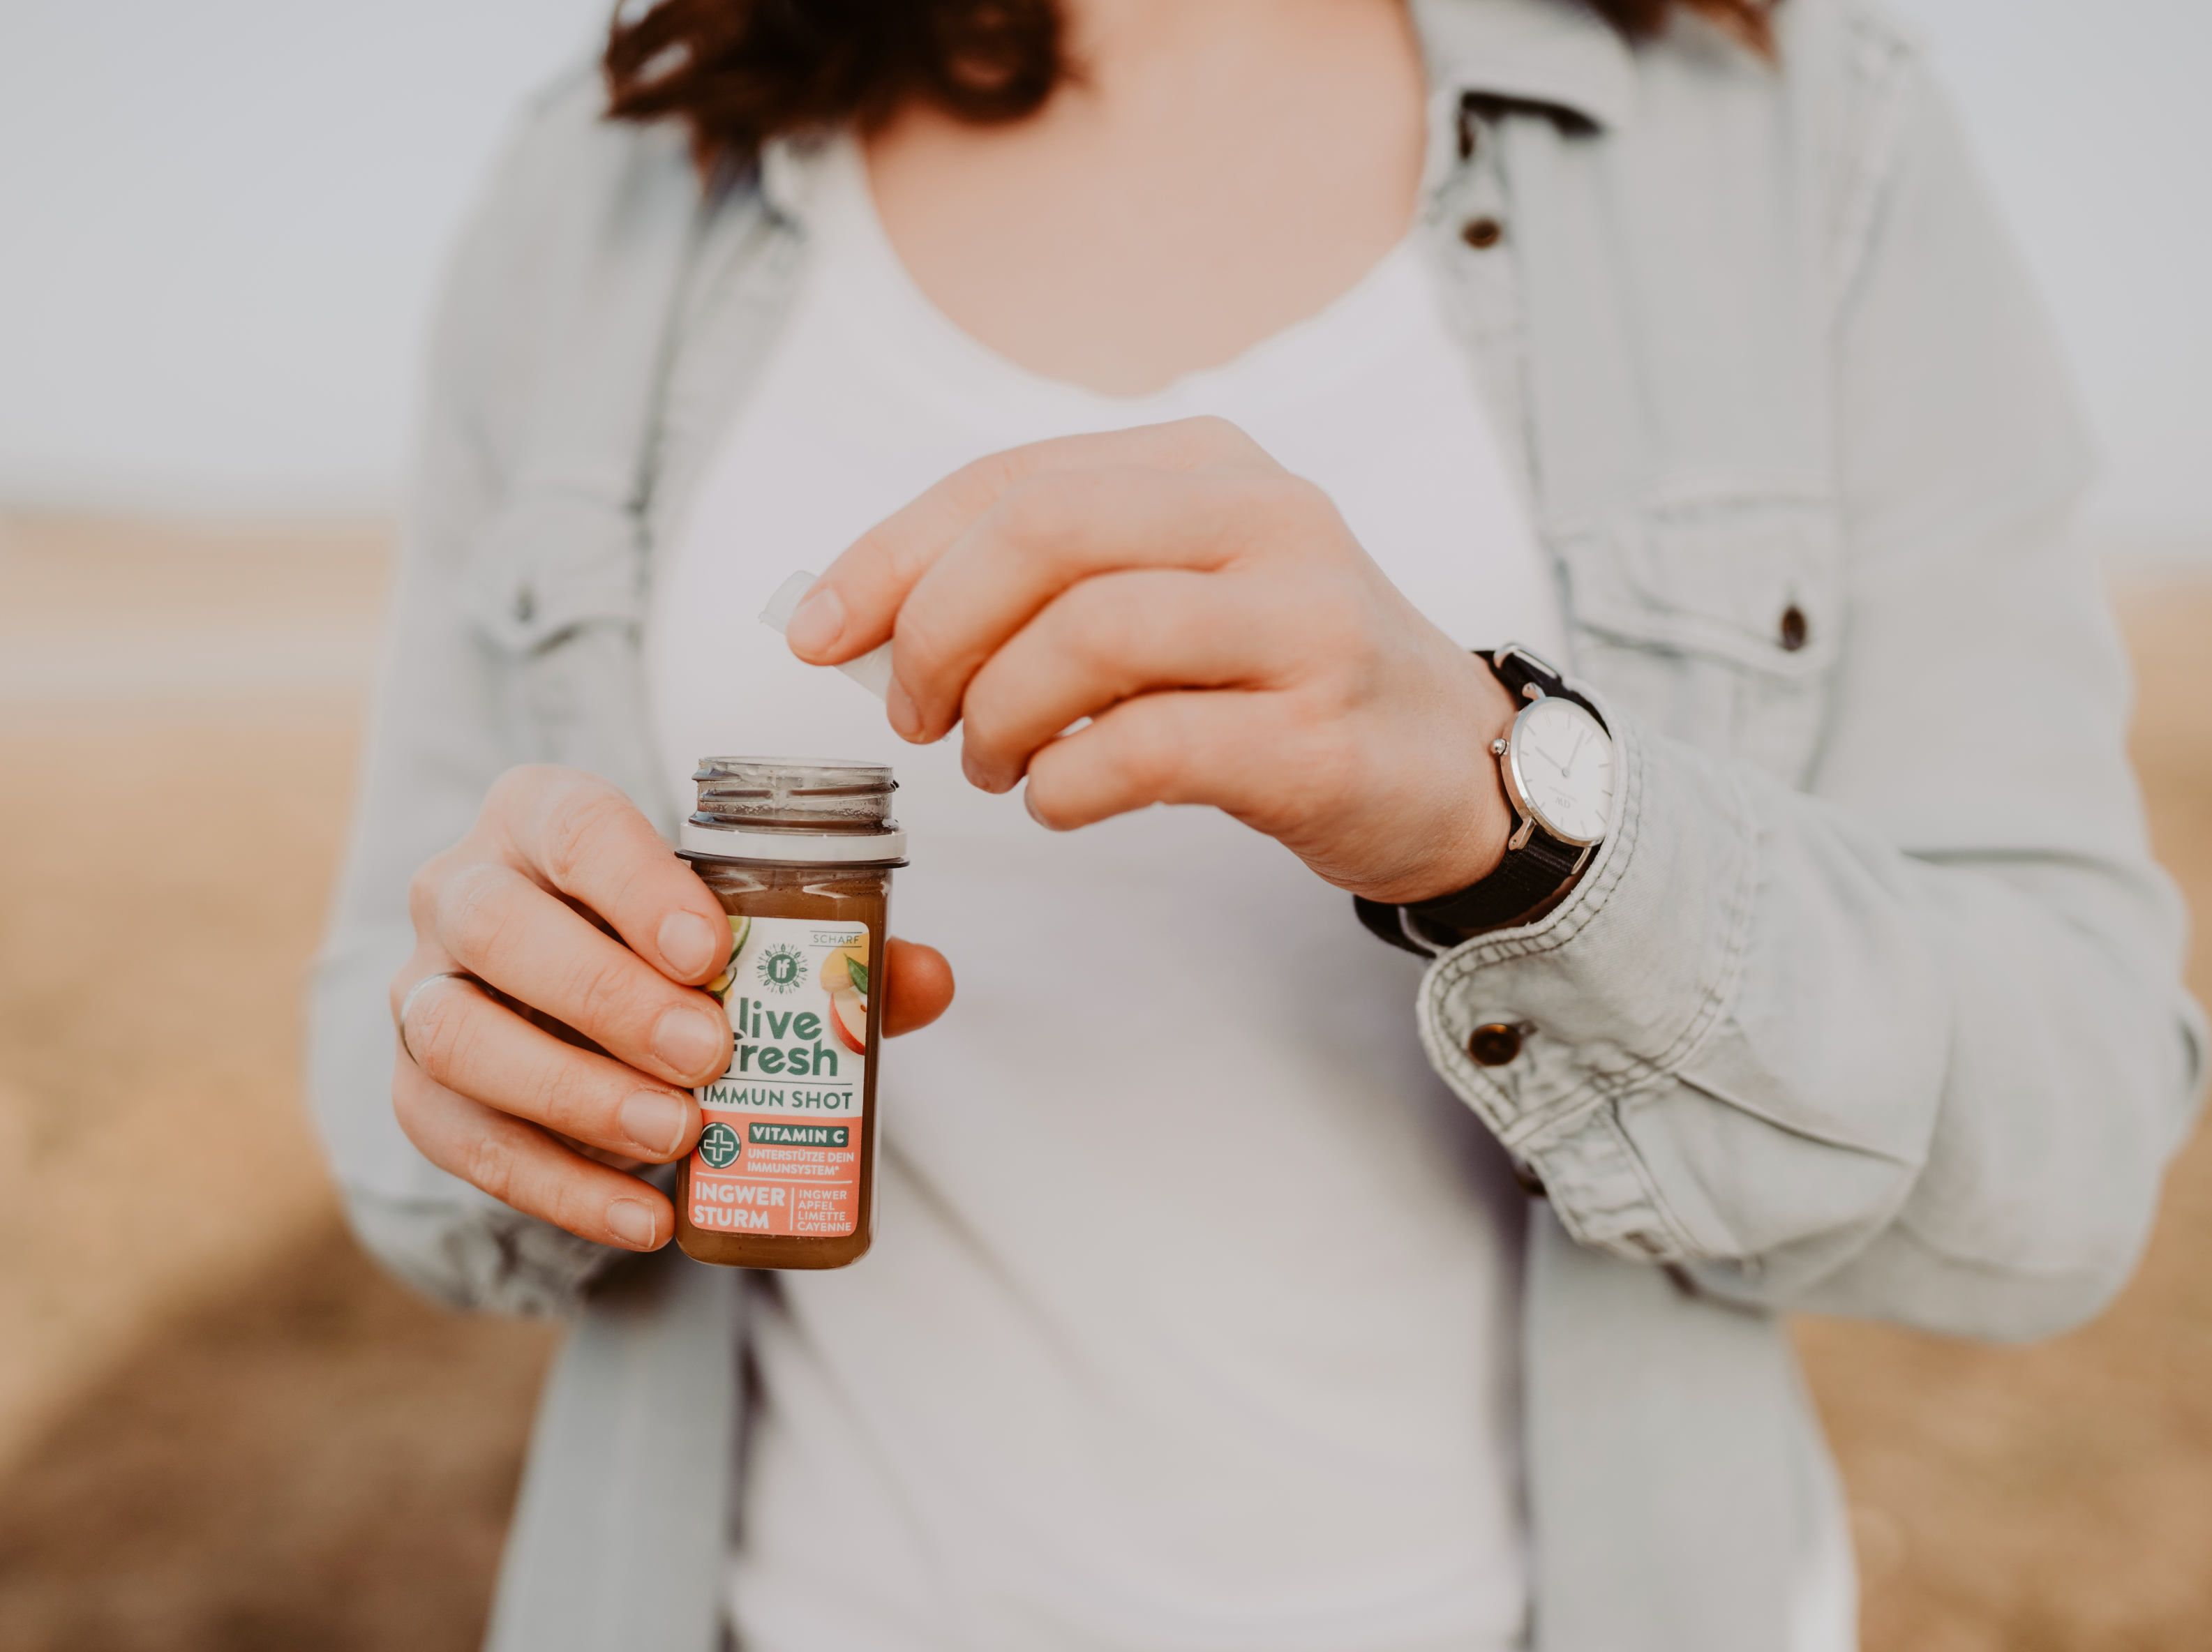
pixel 1562 762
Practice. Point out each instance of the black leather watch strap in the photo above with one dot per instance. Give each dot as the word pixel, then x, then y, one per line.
pixel 1517 668
pixel 1526 878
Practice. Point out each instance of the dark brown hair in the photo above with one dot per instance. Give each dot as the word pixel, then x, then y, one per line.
pixel 740 72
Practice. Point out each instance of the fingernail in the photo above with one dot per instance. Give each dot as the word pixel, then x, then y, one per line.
pixel 631 1223
pixel 690 1040
pixel 815 627
pixel 973 772
pixel 654 1120
pixel 898 704
pixel 1029 802
pixel 687 941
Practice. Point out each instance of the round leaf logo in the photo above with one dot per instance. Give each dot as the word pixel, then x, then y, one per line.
pixel 718 1145
pixel 781 969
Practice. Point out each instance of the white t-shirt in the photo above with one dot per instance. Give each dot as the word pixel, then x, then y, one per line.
pixel 1192 1316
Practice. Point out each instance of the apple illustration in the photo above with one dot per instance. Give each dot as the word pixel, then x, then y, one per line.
pixel 848 1019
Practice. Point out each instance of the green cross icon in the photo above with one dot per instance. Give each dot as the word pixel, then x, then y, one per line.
pixel 718 1145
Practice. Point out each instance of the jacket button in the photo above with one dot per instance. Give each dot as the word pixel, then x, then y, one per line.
pixel 1494 1045
pixel 1481 233
pixel 1793 628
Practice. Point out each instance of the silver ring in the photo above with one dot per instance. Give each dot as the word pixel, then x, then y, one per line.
pixel 415 991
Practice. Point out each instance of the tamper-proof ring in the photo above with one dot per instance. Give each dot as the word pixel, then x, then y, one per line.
pixel 415 991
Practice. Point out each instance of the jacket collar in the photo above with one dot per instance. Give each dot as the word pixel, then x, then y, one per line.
pixel 1551 51
pixel 1556 52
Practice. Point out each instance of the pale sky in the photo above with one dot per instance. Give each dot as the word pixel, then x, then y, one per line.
pixel 221 220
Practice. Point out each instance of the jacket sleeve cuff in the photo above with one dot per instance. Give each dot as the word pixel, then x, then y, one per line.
pixel 1611 993
pixel 479 1256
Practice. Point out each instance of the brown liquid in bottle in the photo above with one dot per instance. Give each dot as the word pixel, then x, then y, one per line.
pixel 785 1173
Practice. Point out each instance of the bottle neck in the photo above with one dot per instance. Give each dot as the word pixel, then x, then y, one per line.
pixel 794 811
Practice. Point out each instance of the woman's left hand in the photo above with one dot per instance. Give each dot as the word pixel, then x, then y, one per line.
pixel 1213 617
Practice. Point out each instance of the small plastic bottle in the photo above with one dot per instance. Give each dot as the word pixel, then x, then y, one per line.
pixel 799 852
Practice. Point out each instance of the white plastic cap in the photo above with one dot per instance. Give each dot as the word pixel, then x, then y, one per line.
pixel 872 671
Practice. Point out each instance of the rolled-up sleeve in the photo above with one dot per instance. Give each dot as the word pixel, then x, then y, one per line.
pixel 438 736
pixel 1909 1043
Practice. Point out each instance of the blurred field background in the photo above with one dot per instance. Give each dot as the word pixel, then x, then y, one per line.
pixel 220 1431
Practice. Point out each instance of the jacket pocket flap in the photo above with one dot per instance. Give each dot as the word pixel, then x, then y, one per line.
pixel 1756 583
pixel 553 558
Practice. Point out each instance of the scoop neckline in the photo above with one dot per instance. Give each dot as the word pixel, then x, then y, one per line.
pixel 1301 359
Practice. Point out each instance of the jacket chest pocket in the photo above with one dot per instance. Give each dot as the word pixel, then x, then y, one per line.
pixel 1716 622
pixel 553 588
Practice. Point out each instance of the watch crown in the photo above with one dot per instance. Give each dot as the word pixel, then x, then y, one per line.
pixel 1500 747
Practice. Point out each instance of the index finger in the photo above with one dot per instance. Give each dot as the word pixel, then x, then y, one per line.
pixel 581 837
pixel 853 607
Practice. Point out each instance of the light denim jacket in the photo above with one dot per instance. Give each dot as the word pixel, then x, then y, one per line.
pixel 1869 1004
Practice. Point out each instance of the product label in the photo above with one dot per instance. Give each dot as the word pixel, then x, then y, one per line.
pixel 781 1152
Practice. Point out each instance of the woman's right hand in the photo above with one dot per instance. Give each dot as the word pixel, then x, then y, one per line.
pixel 525 903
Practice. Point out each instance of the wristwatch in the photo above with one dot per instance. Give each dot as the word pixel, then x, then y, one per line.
pixel 1557 764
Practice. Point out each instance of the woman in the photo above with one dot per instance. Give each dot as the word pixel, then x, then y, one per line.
pixel 1228 374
